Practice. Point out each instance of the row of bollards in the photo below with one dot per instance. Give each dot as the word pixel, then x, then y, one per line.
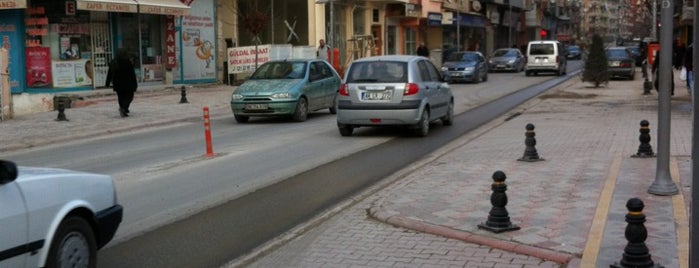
pixel 636 253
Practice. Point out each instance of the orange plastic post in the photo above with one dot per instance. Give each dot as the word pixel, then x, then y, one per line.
pixel 207 133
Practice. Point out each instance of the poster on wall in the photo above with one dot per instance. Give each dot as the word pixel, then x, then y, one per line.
pixel 197 46
pixel 70 74
pixel 10 39
pixel 242 59
pixel 38 66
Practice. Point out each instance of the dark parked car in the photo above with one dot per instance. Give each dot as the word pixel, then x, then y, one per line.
pixel 621 62
pixel 466 66
pixel 506 59
pixel 574 53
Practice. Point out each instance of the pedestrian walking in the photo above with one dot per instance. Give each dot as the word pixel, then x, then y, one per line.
pixel 323 50
pixel 422 50
pixel 688 65
pixel 123 76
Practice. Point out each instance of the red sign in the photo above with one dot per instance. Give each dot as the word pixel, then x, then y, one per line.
pixel 70 8
pixel 38 66
pixel 170 54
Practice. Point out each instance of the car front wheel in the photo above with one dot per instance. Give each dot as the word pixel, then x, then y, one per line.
pixel 73 245
pixel 301 112
pixel 241 118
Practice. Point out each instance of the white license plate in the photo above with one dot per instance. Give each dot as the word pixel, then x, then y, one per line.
pixel 456 74
pixel 501 66
pixel 614 63
pixel 380 95
pixel 256 106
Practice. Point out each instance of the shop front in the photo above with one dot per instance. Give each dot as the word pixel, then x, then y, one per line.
pixel 61 46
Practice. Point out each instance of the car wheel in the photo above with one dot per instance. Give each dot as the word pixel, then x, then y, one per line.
pixel 448 119
pixel 632 76
pixel 333 107
pixel 73 245
pixel 301 112
pixel 345 130
pixel 527 73
pixel 485 77
pixel 423 126
pixel 241 118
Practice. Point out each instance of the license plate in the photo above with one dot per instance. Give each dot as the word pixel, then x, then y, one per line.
pixel 256 106
pixel 381 95
pixel 614 63
pixel 456 74
pixel 501 66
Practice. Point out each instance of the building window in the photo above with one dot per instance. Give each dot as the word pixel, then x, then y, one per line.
pixel 358 18
pixel 375 15
pixel 410 39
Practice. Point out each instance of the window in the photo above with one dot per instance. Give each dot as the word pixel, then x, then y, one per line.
pixel 410 41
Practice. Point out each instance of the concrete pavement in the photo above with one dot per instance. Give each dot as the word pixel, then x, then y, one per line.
pixel 570 207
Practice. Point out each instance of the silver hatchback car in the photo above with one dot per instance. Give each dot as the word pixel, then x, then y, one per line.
pixel 393 90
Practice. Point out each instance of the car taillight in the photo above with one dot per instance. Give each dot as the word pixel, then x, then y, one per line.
pixel 625 64
pixel 558 59
pixel 410 89
pixel 343 90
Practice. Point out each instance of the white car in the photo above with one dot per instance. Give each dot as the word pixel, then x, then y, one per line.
pixel 55 217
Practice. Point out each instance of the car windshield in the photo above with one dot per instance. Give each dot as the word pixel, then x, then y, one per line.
pixel 573 48
pixel 503 53
pixel 280 70
pixel 462 56
pixel 378 71
pixel 616 53
pixel 541 49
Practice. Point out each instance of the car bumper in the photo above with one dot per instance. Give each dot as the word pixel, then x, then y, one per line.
pixel 623 72
pixel 502 67
pixel 407 113
pixel 108 221
pixel 273 108
pixel 459 76
pixel 543 68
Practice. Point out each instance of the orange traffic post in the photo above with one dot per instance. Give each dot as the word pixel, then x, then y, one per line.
pixel 207 133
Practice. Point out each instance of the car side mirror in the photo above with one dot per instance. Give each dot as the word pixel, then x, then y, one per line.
pixel 8 171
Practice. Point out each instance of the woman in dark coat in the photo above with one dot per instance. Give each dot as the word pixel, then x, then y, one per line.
pixel 122 74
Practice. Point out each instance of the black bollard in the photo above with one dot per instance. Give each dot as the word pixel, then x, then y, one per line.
pixel 498 218
pixel 530 154
pixel 636 253
pixel 645 149
pixel 61 112
pixel 183 99
pixel 647 86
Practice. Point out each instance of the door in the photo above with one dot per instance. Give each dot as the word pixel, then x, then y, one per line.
pixel 13 219
pixel 391 35
pixel 378 40
pixel 102 52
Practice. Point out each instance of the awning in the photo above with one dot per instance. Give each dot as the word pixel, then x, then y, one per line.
pixel 13 4
pixel 108 5
pixel 163 7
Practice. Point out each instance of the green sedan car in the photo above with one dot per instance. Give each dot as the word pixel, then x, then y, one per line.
pixel 290 88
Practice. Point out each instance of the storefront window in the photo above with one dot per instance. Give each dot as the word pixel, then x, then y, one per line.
pixel 145 44
pixel 58 46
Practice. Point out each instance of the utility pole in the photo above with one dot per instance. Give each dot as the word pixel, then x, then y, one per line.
pixel 458 26
pixel 694 218
pixel 654 19
pixel 509 25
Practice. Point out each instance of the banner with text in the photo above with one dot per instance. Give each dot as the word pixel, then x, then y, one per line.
pixel 242 59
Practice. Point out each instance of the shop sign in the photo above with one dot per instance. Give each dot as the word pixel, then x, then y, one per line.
pixel 163 10
pixel 38 66
pixel 170 53
pixel 434 19
pixel 13 4
pixel 106 6
pixel 242 59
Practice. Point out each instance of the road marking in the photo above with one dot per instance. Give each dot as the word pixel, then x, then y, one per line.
pixel 681 219
pixel 594 237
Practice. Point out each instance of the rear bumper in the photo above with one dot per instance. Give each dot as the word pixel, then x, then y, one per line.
pixel 406 113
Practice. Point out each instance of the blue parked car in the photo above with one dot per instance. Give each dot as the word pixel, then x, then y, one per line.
pixel 465 66
pixel 289 88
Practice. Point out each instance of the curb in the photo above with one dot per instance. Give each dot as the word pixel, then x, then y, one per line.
pixel 510 246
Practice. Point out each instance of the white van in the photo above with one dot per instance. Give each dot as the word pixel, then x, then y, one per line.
pixel 545 56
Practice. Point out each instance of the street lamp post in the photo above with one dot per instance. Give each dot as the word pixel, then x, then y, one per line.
pixel 509 24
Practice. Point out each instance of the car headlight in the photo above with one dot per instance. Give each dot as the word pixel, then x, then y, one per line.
pixel 469 69
pixel 511 61
pixel 237 96
pixel 285 95
pixel 444 69
pixel 491 62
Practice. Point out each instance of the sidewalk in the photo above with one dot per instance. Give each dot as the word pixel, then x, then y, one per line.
pixel 98 114
pixel 570 207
